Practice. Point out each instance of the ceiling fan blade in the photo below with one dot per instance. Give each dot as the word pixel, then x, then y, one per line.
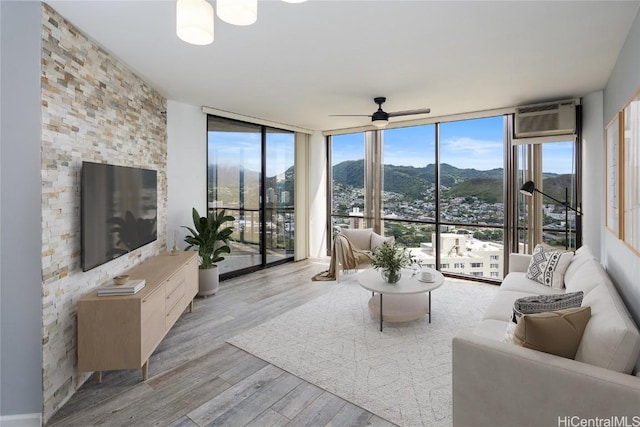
pixel 349 115
pixel 409 112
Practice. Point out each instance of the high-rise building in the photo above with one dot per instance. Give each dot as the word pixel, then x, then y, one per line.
pixel 284 197
pixel 356 218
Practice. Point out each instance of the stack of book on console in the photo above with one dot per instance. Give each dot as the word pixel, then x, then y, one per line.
pixel 129 288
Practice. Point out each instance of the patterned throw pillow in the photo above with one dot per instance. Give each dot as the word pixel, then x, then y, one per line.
pixel 548 266
pixel 508 334
pixel 541 303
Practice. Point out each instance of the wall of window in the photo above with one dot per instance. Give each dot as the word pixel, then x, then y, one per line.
pixel 552 166
pixel 442 189
pixel 442 197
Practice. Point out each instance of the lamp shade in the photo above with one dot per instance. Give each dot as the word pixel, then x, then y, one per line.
pixel 194 21
pixel 528 188
pixel 238 12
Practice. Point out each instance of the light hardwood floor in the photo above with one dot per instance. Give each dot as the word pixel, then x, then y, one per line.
pixel 197 379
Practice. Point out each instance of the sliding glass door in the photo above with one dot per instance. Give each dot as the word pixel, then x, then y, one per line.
pixel 251 176
pixel 279 224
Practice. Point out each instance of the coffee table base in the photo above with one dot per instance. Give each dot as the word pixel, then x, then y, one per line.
pixel 400 308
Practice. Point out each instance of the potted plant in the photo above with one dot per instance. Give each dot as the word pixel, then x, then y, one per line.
pixel 390 260
pixel 212 240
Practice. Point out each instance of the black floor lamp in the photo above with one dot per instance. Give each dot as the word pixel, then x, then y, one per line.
pixel 529 188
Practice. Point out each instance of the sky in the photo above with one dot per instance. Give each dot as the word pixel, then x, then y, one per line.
pixel 476 143
pixel 465 144
pixel 244 147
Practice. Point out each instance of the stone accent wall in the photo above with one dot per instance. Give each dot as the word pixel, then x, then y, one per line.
pixel 93 108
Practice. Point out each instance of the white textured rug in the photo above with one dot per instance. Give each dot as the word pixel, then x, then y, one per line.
pixel 402 374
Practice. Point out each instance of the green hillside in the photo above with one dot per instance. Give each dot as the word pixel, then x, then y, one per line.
pixel 417 182
pixel 485 189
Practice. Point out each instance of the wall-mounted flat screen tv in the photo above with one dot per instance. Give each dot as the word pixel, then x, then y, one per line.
pixel 119 207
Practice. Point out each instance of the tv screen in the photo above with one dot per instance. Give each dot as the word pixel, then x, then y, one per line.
pixel 118 211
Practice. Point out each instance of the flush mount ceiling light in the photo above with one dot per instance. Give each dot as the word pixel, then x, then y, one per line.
pixel 194 21
pixel 194 18
pixel 238 12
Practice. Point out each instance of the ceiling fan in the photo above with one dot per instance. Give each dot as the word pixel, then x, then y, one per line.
pixel 380 118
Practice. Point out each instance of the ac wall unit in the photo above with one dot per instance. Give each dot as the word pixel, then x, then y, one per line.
pixel 557 118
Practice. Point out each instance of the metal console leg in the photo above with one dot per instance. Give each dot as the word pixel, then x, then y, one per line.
pixel 380 311
pixel 429 306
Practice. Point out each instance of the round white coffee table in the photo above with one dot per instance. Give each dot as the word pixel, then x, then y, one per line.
pixel 409 299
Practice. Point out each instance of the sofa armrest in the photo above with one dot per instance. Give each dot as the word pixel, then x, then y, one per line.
pixel 519 262
pixel 501 384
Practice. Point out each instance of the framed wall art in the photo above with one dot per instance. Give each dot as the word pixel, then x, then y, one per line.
pixel 612 174
pixel 630 174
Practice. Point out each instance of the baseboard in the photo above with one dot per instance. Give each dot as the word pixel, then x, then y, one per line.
pixel 22 420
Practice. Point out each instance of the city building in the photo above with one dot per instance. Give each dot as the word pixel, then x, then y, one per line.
pixel 463 254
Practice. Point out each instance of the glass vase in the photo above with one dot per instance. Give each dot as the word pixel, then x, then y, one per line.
pixel 391 276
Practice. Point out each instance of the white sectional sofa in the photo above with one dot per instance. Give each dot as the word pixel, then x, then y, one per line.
pixel 496 383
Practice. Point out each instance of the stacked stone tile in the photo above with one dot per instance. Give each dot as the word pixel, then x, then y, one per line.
pixel 93 109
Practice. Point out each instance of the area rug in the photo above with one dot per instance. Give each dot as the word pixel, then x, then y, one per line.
pixel 402 374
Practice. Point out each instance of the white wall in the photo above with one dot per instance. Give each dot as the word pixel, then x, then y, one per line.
pixel 20 281
pixel 621 263
pixel 186 167
pixel 317 196
pixel 592 171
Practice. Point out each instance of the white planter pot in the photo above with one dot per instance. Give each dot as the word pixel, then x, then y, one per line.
pixel 208 281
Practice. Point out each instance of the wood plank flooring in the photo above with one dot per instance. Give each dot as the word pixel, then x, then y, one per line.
pixel 197 379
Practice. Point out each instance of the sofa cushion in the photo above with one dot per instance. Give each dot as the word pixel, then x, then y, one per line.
pixel 547 266
pixel 359 237
pixel 587 277
pixel 541 303
pixel 378 240
pixel 611 340
pixel 501 306
pixel 491 328
pixel 556 332
pixel 516 281
pixel 581 256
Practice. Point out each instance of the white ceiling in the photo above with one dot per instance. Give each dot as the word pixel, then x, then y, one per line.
pixel 299 63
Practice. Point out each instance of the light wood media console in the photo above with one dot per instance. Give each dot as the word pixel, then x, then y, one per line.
pixel 121 332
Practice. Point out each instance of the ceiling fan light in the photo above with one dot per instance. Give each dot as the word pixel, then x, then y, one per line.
pixel 194 21
pixel 238 12
pixel 379 122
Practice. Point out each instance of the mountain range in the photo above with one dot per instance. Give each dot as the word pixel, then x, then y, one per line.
pixel 415 182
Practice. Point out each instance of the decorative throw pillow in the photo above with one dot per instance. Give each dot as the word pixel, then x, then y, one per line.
pixel 378 240
pixel 548 266
pixel 541 303
pixel 556 332
pixel 508 334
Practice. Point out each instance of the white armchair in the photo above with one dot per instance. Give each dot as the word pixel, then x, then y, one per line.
pixel 360 240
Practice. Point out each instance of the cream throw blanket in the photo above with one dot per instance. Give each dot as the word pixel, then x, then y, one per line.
pixel 352 256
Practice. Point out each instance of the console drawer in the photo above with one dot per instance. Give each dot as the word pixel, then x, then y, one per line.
pixel 174 313
pixel 174 281
pixel 173 298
